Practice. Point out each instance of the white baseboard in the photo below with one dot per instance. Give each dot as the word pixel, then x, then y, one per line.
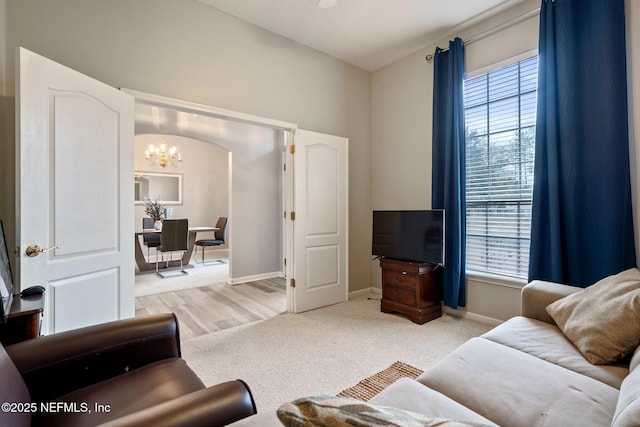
pixel 361 292
pixel 245 279
pixel 448 310
pixel 471 316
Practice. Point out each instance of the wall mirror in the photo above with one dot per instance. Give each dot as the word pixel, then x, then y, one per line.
pixel 162 186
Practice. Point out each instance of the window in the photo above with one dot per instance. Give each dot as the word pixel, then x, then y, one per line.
pixel 500 116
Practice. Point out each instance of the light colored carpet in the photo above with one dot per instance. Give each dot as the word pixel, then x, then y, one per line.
pixel 322 351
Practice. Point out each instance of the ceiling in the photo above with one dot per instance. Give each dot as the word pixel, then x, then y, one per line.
pixel 170 120
pixel 366 33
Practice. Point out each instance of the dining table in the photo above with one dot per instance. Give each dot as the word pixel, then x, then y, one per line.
pixel 144 266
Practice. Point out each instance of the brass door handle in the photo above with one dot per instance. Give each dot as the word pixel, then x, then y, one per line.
pixel 35 250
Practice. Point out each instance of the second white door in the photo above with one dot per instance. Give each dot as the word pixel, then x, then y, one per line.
pixel 320 229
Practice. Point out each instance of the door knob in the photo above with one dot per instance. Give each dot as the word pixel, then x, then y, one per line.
pixel 35 250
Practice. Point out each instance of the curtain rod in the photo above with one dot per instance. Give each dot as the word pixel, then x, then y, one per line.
pixel 492 31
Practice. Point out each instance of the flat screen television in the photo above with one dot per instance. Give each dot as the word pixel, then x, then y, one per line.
pixel 6 280
pixel 409 235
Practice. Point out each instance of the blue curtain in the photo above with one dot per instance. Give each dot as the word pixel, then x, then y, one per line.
pixel 448 160
pixel 582 224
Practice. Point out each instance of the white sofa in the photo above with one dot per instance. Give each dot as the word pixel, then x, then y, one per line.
pixel 524 372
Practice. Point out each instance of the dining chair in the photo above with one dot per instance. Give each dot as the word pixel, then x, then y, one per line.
pixel 220 238
pixel 150 240
pixel 173 238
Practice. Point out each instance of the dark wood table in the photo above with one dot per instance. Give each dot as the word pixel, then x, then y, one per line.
pixel 145 266
pixel 23 321
pixel 411 288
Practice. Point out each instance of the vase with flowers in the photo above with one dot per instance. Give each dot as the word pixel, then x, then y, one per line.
pixel 156 210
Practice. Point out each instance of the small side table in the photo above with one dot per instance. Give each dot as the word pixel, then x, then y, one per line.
pixel 23 321
pixel 411 288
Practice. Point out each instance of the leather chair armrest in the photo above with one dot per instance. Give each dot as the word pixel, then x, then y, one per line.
pixel 538 294
pixel 218 405
pixel 57 364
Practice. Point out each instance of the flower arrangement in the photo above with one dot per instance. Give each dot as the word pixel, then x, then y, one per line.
pixel 154 208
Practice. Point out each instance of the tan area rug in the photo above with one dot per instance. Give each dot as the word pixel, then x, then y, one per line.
pixel 369 387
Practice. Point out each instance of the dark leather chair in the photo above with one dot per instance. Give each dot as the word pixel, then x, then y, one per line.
pixel 220 238
pixel 150 240
pixel 122 373
pixel 174 237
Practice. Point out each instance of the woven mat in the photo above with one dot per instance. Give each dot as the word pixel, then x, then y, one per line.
pixel 369 387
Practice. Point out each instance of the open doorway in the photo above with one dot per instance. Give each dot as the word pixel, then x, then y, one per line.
pixel 255 240
pixel 201 196
pixel 312 235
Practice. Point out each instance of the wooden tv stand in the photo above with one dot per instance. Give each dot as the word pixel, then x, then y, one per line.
pixel 411 288
pixel 23 322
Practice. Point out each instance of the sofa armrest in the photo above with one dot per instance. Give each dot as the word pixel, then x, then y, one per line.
pixel 56 364
pixel 219 405
pixel 538 294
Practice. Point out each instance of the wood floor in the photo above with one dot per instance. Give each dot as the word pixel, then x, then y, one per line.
pixel 211 308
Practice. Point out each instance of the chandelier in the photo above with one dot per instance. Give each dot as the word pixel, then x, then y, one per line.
pixel 160 155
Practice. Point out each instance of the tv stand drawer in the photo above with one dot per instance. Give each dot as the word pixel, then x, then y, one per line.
pixel 407 267
pixel 401 295
pixel 413 289
pixel 402 279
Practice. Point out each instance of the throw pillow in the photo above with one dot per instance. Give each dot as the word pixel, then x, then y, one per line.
pixel 329 411
pixel 603 320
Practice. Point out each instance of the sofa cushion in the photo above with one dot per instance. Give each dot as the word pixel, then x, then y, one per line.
pixel 413 396
pixel 337 411
pixel 513 388
pixel 125 394
pixel 602 320
pixel 628 409
pixel 547 342
pixel 635 359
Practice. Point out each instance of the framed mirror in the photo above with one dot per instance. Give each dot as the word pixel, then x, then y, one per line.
pixel 162 186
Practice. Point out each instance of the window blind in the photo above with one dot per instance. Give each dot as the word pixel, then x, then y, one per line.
pixel 500 115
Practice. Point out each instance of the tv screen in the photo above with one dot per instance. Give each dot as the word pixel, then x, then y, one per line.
pixel 6 280
pixel 411 235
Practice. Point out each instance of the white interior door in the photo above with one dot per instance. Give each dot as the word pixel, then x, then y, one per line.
pixel 320 228
pixel 75 193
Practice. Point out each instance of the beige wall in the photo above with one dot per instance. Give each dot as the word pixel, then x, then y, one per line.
pixel 7 148
pixel 185 50
pixel 7 172
pixel 402 125
pixel 2 47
